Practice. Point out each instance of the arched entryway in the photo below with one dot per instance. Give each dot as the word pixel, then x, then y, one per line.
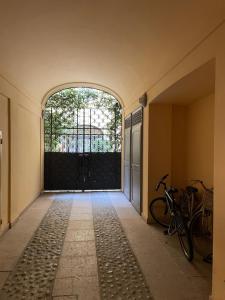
pixel 82 140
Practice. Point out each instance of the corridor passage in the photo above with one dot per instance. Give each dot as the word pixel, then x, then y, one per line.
pixel 91 246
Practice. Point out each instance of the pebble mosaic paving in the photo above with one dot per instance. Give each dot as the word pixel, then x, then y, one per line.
pixel 34 273
pixel 120 276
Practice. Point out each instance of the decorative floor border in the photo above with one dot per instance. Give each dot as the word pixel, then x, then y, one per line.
pixel 120 276
pixel 34 274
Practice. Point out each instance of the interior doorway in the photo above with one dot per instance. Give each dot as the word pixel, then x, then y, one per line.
pixel 82 129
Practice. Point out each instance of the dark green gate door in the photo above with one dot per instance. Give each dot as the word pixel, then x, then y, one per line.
pixel 89 171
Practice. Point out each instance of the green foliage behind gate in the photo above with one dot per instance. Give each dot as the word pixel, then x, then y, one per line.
pixel 82 120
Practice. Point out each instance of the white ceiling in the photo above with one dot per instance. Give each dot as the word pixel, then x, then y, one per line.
pixel 124 45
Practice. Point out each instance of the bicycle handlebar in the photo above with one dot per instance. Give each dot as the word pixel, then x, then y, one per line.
pixel 202 184
pixel 161 181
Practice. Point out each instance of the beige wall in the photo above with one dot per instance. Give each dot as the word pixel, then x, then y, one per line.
pixel 193 142
pixel 25 158
pixel 219 179
pixel 4 163
pixel 181 142
pixel 178 140
pixel 200 140
pixel 212 47
pixel 160 138
pixel 25 152
pixel 178 144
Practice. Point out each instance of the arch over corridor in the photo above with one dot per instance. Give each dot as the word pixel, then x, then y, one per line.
pixel 82 139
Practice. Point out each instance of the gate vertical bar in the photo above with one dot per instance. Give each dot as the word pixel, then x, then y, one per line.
pixel 51 130
pixel 90 131
pixel 83 158
pixel 115 129
pixel 83 130
pixel 77 147
pixel 73 129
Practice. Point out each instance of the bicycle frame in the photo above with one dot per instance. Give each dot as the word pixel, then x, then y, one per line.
pixel 170 201
pixel 176 222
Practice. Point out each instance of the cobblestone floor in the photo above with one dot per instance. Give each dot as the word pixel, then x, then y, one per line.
pixel 92 246
pixel 34 274
pixel 120 276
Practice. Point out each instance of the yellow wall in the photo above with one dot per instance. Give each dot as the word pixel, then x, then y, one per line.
pixel 25 152
pixel 4 162
pixel 145 186
pixel 181 142
pixel 212 47
pixel 160 138
pixel 25 157
pixel 178 144
pixel 200 140
pixel 219 179
pixel 193 142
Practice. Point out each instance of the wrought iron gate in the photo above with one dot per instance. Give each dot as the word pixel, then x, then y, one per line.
pixel 82 152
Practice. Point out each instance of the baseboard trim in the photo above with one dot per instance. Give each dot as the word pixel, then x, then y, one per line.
pixel 2 232
pixel 11 224
pixel 145 219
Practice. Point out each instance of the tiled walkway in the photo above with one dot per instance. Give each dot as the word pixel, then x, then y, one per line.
pixel 167 273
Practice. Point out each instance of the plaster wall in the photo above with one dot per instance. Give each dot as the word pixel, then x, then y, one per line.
pixel 212 47
pixel 23 136
pixel 219 179
pixel 178 144
pixel 25 158
pixel 145 169
pixel 4 167
pixel 193 142
pixel 200 140
pixel 160 147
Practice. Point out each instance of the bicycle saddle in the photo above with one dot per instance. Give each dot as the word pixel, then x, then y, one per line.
pixel 172 190
pixel 190 189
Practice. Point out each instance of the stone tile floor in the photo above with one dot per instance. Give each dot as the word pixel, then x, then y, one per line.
pixel 168 274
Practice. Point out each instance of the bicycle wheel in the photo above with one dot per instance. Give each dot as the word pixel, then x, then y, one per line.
pixel 160 212
pixel 184 237
pixel 202 233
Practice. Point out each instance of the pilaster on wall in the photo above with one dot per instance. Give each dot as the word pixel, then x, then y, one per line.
pixel 219 179
pixel 145 169
pixel 160 133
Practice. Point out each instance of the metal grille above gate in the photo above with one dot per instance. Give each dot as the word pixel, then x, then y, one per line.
pixel 82 147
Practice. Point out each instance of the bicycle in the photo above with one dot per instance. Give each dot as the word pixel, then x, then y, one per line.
pixel 188 202
pixel 201 225
pixel 166 212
